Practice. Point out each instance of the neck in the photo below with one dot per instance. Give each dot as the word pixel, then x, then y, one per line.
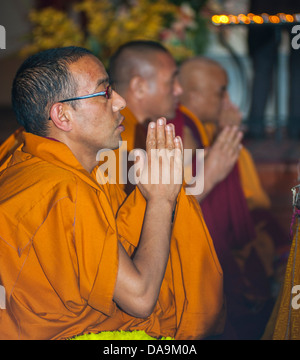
pixel 85 155
pixel 137 110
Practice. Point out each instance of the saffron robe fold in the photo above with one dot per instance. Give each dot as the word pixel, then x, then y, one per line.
pixel 284 323
pixel 59 253
pixel 8 147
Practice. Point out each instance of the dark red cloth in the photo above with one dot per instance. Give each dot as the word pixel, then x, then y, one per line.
pixel 231 226
pixel 225 209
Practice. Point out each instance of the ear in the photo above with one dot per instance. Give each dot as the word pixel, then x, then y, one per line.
pixel 138 86
pixel 61 117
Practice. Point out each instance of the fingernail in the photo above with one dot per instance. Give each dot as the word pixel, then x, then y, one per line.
pixel 168 127
pixel 152 125
pixel 160 122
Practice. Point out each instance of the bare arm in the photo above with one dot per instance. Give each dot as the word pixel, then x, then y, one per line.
pixel 139 279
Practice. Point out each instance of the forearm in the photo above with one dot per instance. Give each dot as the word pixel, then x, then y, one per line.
pixel 153 251
pixel 139 277
pixel 138 290
pixel 209 183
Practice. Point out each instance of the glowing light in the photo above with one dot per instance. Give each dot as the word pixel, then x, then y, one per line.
pixel 233 19
pixel 216 19
pixel 224 19
pixel 258 19
pixel 243 18
pixel 253 18
pixel 274 19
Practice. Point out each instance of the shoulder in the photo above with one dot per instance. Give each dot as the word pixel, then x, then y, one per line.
pixel 34 184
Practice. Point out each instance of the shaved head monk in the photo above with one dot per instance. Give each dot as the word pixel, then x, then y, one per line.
pixel 76 257
pixel 146 75
pixel 229 207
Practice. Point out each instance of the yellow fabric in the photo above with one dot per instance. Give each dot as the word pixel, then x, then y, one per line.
pixel 59 255
pixel 211 130
pixel 118 335
pixel 253 190
pixel 284 323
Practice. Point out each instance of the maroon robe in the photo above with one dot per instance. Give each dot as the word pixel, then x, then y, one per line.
pixel 231 226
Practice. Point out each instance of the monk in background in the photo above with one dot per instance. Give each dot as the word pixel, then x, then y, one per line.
pixel 77 256
pixel 146 75
pixel 284 323
pixel 245 235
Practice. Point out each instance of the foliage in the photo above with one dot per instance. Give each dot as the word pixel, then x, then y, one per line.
pixel 102 26
pixel 118 335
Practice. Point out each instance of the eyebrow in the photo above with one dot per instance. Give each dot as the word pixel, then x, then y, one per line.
pixel 176 72
pixel 102 81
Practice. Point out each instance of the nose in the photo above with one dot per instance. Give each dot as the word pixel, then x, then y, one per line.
pixel 119 103
pixel 177 88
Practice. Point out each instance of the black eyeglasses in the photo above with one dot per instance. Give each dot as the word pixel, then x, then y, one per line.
pixel 107 93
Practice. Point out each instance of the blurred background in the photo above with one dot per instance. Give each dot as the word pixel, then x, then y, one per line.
pixel 252 40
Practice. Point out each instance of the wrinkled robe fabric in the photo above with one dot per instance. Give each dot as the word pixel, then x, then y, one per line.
pixel 59 253
pixel 242 240
pixel 284 323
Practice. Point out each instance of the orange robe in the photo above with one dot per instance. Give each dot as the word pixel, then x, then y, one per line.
pixel 59 253
pixel 284 324
pixel 8 147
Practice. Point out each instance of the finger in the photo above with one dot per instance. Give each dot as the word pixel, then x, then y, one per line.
pixel 222 138
pixel 173 129
pixel 160 134
pixel 236 140
pixel 169 137
pixel 151 137
pixel 178 160
pixel 232 138
pixel 178 143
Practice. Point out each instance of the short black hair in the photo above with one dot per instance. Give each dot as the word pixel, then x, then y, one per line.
pixel 124 63
pixel 43 79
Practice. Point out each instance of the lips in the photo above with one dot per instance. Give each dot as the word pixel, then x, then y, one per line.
pixel 120 126
pixel 121 120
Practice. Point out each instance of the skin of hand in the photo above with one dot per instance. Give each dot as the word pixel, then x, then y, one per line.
pixel 221 157
pixel 164 156
pixel 230 114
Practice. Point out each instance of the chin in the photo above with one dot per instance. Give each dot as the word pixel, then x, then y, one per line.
pixel 170 115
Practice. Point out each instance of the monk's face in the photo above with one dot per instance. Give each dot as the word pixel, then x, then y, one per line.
pixel 206 91
pixel 163 88
pixel 96 122
pixel 213 93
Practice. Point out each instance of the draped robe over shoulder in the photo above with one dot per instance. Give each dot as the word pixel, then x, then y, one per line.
pixel 59 253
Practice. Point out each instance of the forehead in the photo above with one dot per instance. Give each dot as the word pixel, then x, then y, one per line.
pixel 209 78
pixel 165 64
pixel 87 72
pixel 217 75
